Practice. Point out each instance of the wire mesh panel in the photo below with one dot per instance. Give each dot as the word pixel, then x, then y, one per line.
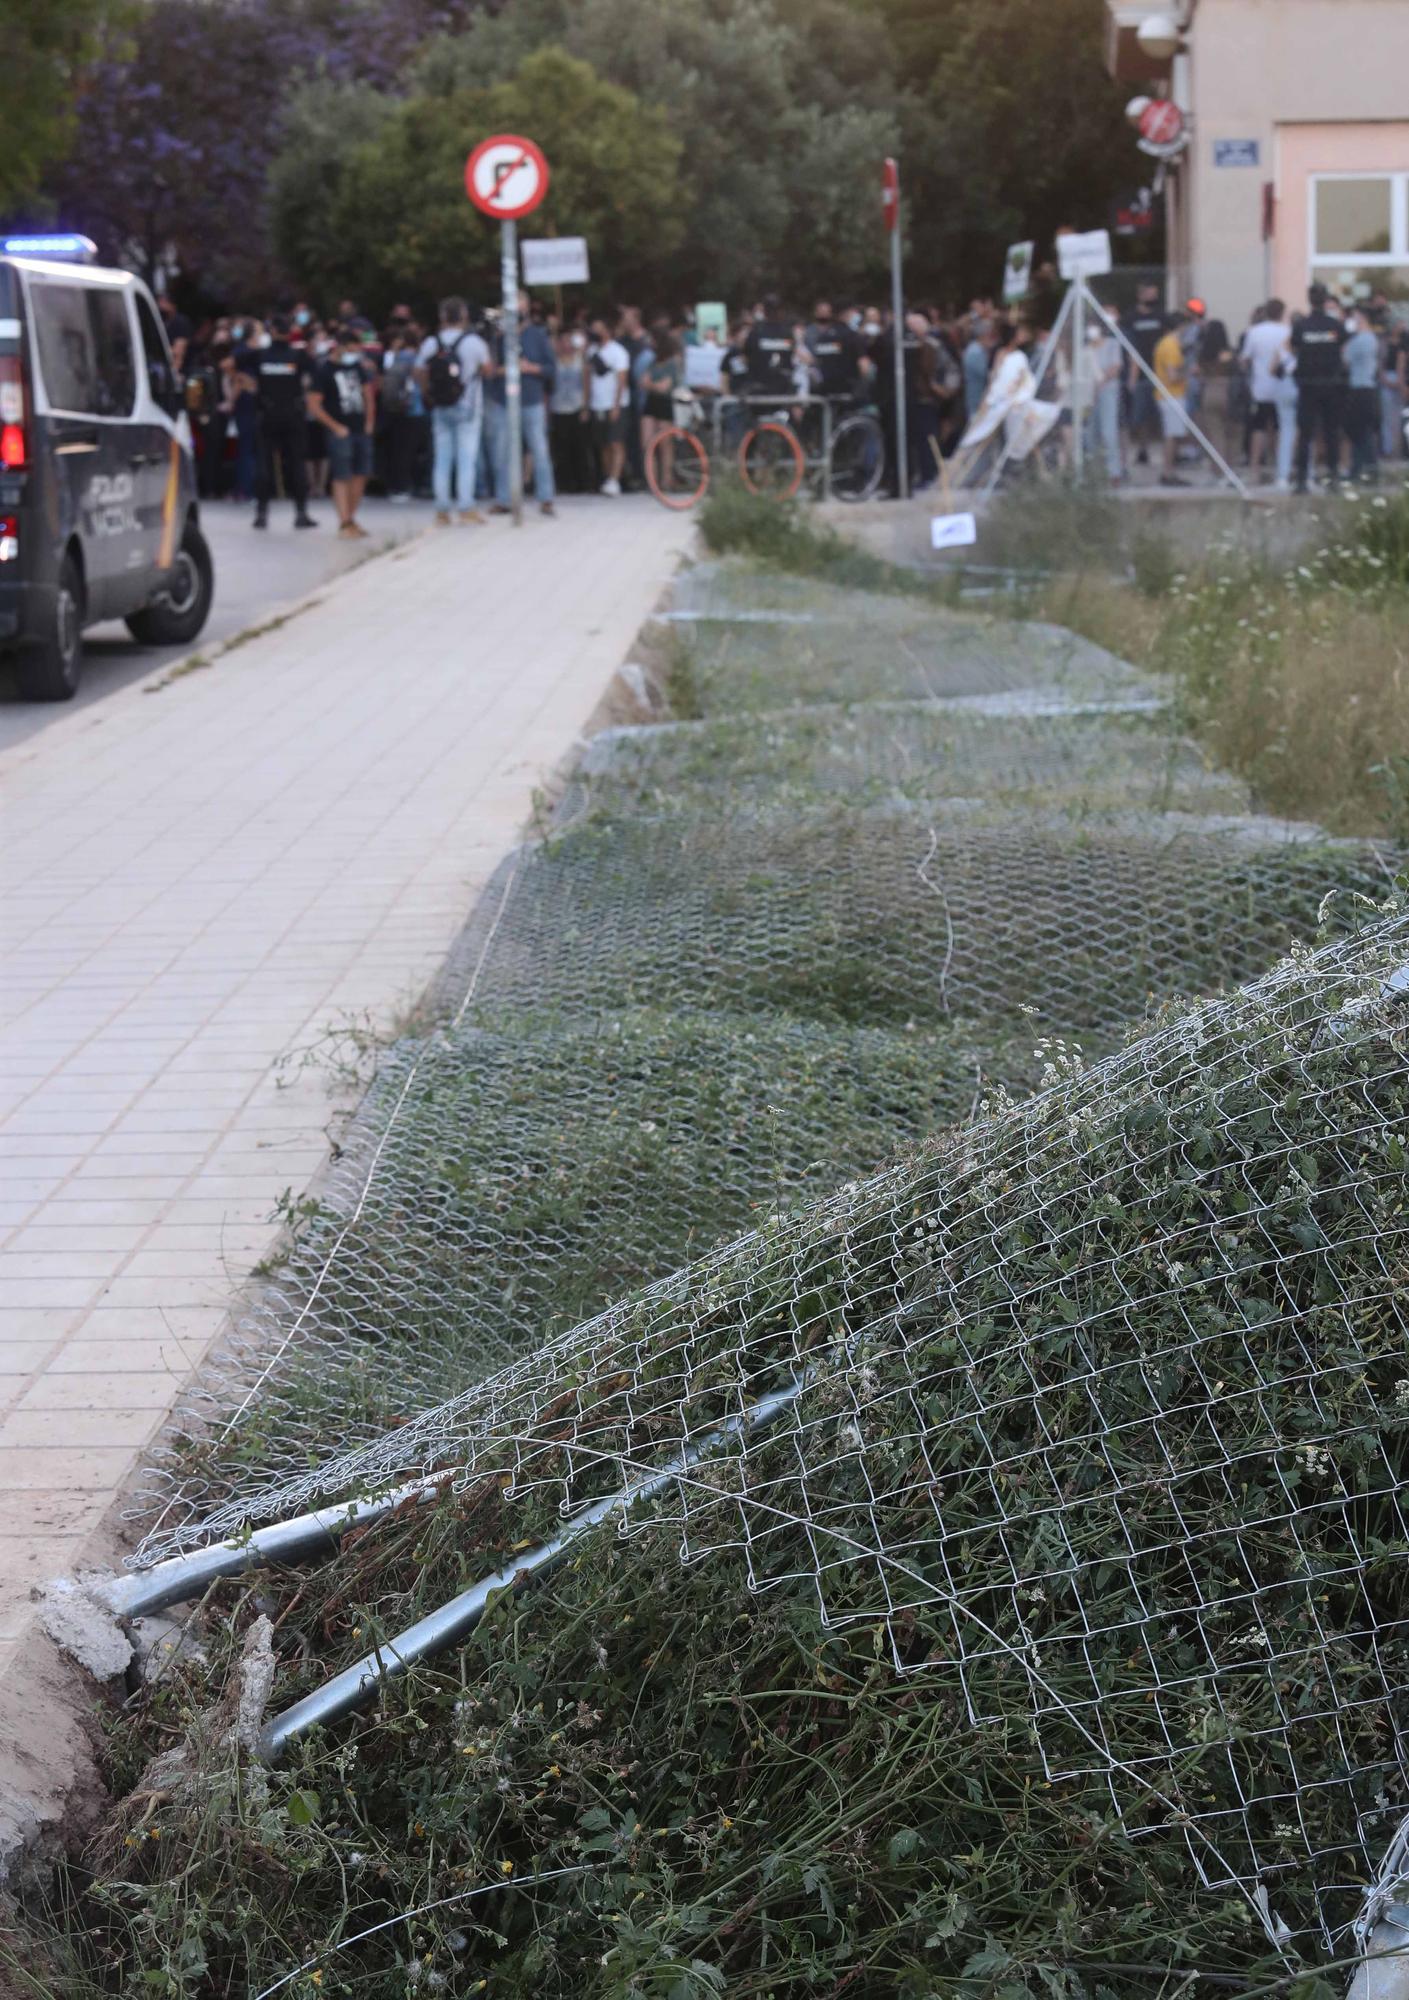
pixel 1097 1408
pixel 881 753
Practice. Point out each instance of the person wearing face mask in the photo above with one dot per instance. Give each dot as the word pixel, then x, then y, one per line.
pixel 280 373
pixel 342 397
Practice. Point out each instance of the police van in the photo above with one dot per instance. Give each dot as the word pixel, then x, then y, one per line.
pixel 98 514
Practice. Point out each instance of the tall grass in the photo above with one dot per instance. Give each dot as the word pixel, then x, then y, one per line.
pixel 1295 677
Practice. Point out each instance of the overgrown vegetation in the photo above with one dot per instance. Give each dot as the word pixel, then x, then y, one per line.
pixel 1292 673
pixel 904 868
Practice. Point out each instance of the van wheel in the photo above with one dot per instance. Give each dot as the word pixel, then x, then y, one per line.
pixel 50 669
pixel 175 618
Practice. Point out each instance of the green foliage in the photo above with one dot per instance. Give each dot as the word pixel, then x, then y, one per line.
pixel 393 206
pixel 45 46
pixel 324 128
pixel 784 535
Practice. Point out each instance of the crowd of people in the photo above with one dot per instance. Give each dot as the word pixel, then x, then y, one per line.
pixel 311 406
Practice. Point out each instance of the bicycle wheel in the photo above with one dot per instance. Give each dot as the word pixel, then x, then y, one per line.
pixel 771 461
pixel 857 459
pixel 677 468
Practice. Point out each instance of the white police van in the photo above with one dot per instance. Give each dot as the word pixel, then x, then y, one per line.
pixel 98 514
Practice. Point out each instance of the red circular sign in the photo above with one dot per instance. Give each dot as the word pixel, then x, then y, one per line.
pixel 506 176
pixel 1161 122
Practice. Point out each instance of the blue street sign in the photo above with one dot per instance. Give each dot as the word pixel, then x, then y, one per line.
pixel 1237 153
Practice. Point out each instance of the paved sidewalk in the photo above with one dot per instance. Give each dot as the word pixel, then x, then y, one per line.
pixel 194 882
pixel 256 577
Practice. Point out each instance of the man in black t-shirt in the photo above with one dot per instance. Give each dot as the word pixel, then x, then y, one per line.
pixel 1317 341
pixel 281 374
pixel 342 397
pixel 836 354
pixel 1145 329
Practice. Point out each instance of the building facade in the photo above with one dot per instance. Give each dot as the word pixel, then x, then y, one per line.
pixel 1297 166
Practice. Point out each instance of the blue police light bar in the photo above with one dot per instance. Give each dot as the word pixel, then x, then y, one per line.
pixel 63 247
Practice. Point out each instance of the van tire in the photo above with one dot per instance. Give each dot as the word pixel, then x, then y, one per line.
pixel 177 620
pixel 51 668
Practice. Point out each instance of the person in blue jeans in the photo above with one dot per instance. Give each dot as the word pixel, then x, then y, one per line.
pixel 450 370
pixel 538 367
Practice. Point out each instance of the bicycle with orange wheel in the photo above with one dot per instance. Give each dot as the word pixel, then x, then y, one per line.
pixel 777 449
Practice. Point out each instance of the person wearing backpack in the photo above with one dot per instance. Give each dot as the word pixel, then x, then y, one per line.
pixel 450 369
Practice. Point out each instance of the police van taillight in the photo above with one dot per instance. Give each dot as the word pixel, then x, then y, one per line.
pixel 14 452
pixel 9 538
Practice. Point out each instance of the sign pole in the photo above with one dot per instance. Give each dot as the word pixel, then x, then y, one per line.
pixel 506 176
pixel 897 313
pixel 1078 380
pixel 513 374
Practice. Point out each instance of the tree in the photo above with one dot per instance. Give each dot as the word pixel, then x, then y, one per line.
pixel 1014 128
pixel 46 50
pixel 181 119
pixel 399 197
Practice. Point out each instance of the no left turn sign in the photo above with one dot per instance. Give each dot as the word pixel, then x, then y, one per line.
pixel 506 176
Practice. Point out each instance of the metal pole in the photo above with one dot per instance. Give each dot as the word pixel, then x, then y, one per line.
pixel 513 377
pixel 897 309
pixel 451 1622
pixel 1078 384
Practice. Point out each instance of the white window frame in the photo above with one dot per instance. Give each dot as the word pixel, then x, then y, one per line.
pixel 1365 260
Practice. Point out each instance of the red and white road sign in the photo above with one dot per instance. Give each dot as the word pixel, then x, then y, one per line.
pixel 506 176
pixel 890 193
pixel 1161 122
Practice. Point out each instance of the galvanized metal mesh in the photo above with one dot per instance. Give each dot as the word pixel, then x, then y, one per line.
pixel 1101 1404
pixel 1096 1400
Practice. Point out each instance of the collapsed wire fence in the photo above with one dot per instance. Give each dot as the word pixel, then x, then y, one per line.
pixel 1095 1404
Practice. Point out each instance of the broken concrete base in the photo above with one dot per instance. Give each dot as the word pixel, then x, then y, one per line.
pixel 51 1791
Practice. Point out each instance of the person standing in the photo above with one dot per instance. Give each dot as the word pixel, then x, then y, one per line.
pixel 978 359
pixel 1361 356
pixel 1171 365
pixel 342 397
pixel 450 370
pixel 609 366
pixel 1317 344
pixel 835 353
pixel 1145 331
pixel 1392 348
pixel 1267 356
pixel 567 413
pixel 280 373
pixel 398 407
pixel 537 373
pixel 662 379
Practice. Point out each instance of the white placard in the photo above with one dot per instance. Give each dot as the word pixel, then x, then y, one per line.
pixel 702 365
pixel 555 260
pixel 953 531
pixel 1017 273
pixel 1086 256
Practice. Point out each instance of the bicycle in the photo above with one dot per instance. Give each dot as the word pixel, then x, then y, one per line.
pixel 771 457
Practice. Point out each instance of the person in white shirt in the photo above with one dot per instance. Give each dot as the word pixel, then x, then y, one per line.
pixel 608 372
pixel 1267 355
pixel 449 370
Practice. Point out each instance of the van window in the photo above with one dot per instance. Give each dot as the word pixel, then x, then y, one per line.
pixel 112 347
pixel 85 348
pixel 65 341
pixel 157 356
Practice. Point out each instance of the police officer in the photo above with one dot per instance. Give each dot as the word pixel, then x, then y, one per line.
pixel 836 354
pixel 1317 341
pixel 281 374
pixel 768 352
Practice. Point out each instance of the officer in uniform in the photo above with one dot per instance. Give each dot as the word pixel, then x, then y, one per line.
pixel 1317 341
pixel 281 374
pixel 836 355
pixel 768 352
